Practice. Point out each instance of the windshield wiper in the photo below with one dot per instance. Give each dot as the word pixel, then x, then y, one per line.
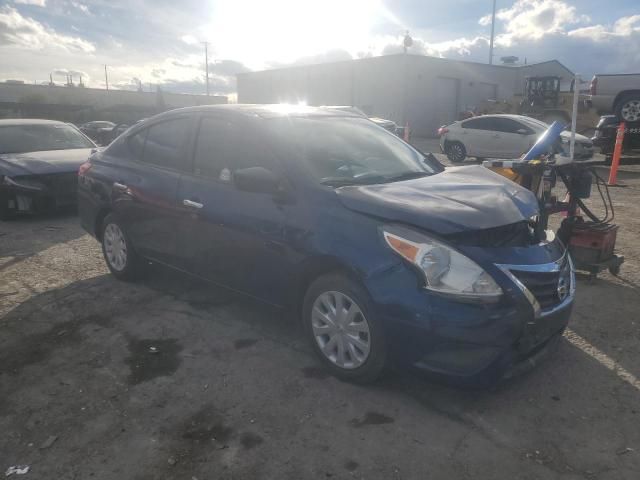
pixel 345 181
pixel 407 176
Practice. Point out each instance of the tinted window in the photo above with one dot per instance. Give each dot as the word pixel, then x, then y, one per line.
pixel 480 123
pixel 215 147
pixel 136 144
pixel 220 149
pixel 38 138
pixel 506 125
pixel 163 145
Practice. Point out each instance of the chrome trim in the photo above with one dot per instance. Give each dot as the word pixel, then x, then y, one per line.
pixel 543 268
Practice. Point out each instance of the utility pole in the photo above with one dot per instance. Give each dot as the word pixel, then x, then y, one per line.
pixel 206 63
pixel 106 78
pixel 493 31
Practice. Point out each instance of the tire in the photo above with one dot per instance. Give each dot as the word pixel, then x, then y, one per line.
pixel 361 340
pixel 456 152
pixel 628 108
pixel 119 255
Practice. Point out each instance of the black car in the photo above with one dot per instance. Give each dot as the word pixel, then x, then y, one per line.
pixel 100 131
pixel 605 135
pixel 39 161
pixel 382 254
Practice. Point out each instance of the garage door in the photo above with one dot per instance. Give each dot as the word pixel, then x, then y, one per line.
pixel 446 101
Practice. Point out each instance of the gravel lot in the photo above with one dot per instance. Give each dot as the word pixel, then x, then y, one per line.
pixel 174 379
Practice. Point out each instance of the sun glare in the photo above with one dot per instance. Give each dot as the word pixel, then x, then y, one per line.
pixel 286 30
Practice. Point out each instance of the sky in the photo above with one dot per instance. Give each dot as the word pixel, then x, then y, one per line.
pixel 160 42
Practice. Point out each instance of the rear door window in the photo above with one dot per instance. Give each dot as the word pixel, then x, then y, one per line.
pixel 506 125
pixel 164 144
pixel 479 123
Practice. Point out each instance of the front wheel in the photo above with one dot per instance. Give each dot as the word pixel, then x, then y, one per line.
pixel 122 260
pixel 456 152
pixel 340 322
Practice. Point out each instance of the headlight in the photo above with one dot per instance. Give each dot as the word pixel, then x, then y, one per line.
pixel 446 270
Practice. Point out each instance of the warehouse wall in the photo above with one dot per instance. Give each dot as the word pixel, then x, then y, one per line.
pixel 426 91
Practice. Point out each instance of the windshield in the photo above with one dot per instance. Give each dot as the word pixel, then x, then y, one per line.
pixel 346 151
pixel 38 138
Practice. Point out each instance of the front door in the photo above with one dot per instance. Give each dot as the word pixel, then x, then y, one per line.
pixel 234 238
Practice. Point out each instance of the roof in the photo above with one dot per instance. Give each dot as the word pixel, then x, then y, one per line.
pixel 268 111
pixel 28 121
pixel 409 56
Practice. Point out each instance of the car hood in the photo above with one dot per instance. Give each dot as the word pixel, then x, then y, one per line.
pixel 457 200
pixel 579 138
pixel 42 163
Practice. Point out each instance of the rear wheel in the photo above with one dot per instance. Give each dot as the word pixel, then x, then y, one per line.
pixel 456 152
pixel 343 329
pixel 628 108
pixel 122 260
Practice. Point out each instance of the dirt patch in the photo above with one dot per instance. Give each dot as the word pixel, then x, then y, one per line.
pixel 151 358
pixel 372 418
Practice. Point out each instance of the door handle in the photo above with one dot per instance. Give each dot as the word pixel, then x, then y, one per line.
pixel 120 186
pixel 192 204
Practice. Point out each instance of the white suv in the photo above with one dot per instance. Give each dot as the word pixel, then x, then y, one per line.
pixel 501 136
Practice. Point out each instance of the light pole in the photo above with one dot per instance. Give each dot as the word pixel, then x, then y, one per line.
pixel 493 30
pixel 206 63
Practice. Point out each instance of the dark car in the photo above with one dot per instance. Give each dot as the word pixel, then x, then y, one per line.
pixel 39 161
pixel 605 135
pixel 384 255
pixel 100 131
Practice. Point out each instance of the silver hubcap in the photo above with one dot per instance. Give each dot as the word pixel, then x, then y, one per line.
pixel 341 330
pixel 631 111
pixel 115 247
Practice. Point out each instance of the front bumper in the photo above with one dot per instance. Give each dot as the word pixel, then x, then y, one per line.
pixel 477 343
pixel 38 193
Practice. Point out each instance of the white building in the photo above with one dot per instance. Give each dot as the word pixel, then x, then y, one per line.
pixel 425 91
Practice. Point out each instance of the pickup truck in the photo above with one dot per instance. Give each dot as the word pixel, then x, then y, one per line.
pixel 617 94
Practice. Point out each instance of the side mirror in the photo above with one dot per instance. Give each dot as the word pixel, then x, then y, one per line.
pixel 522 131
pixel 256 180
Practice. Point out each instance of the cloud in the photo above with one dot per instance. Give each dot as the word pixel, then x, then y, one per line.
pixel 533 20
pixel 624 27
pixel 37 3
pixel 189 39
pixel 27 33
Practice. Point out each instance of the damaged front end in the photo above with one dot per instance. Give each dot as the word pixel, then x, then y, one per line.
pixel 28 194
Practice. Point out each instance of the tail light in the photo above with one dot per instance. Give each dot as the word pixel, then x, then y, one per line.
pixel 442 130
pixel 594 86
pixel 84 168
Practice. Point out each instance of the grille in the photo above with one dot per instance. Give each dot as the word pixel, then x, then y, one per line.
pixel 63 186
pixel 544 285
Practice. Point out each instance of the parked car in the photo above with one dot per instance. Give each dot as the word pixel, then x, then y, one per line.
pixel 39 161
pixel 617 94
pixel 605 135
pixel 384 255
pixel 501 136
pixel 388 125
pixel 99 131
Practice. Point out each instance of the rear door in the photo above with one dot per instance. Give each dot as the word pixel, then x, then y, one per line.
pixel 512 138
pixel 145 187
pixel 479 137
pixel 232 237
